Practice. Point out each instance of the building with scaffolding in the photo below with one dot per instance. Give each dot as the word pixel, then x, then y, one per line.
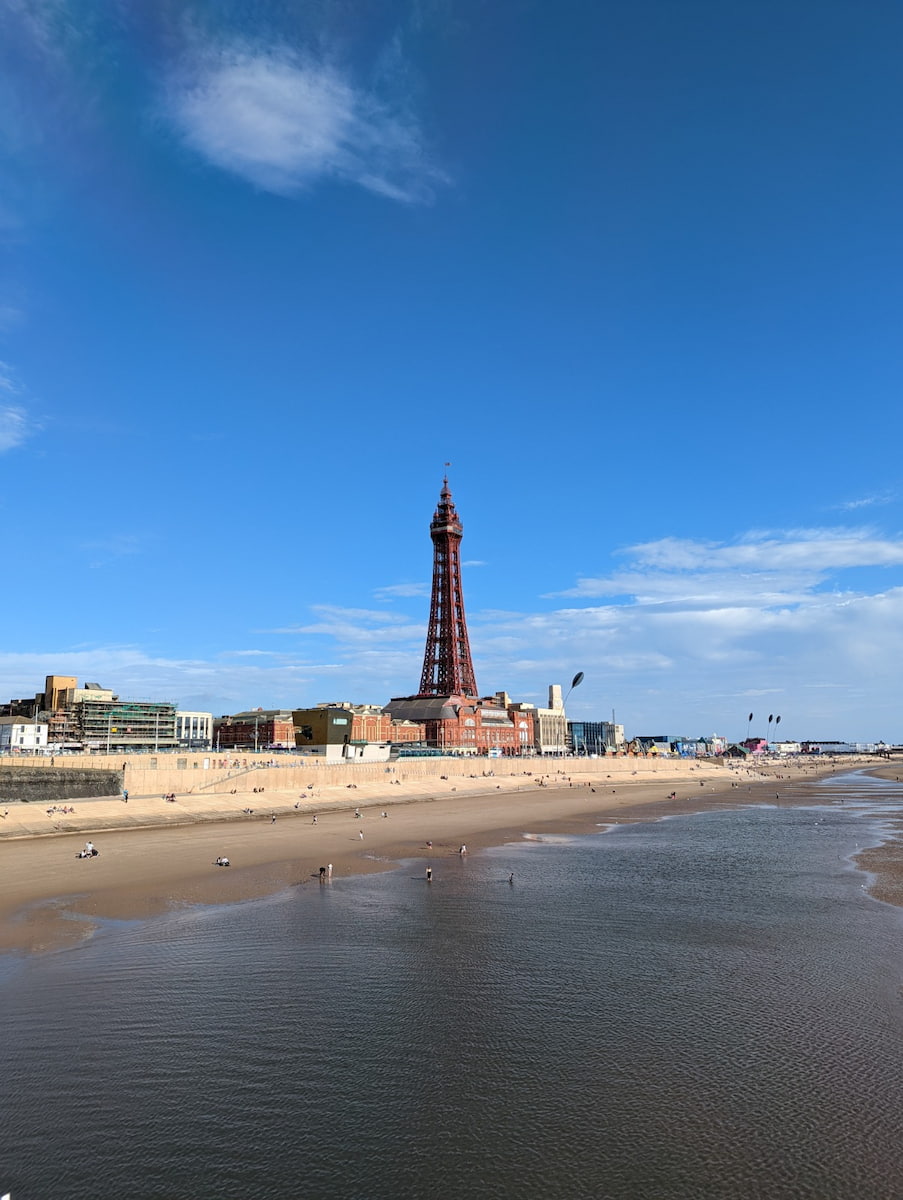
pixel 95 718
pixel 121 725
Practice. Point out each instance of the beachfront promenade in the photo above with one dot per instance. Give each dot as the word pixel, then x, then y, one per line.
pixel 211 787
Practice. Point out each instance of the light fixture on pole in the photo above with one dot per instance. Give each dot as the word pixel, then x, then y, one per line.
pixel 575 682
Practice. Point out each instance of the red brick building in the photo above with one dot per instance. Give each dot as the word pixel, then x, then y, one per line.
pixel 260 729
pixel 352 723
pixel 462 725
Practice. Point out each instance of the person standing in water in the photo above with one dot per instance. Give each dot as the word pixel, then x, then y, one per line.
pixel 429 874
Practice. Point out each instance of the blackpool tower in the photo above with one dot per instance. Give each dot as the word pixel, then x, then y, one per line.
pixel 447 665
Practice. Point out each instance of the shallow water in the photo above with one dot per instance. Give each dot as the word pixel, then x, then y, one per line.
pixel 704 1007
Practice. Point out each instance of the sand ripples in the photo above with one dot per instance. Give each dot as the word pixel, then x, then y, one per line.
pixel 704 1007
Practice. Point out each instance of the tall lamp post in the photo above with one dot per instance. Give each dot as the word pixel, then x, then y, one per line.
pixel 777 721
pixel 575 682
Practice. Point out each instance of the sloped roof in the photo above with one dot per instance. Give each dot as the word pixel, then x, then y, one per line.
pixel 425 708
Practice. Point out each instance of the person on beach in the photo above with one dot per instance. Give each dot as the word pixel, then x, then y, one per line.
pixel 360 834
pixel 314 821
pixel 463 849
pixel 429 874
pixel 329 871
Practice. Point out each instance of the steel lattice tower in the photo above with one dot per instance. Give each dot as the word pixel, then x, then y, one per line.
pixel 447 665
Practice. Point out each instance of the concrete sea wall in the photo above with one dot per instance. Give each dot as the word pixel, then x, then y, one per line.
pixel 35 785
pixel 64 777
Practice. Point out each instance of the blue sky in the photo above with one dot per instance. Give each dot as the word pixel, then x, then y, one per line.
pixel 632 268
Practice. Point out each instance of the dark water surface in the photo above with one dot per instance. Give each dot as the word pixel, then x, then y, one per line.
pixel 704 1007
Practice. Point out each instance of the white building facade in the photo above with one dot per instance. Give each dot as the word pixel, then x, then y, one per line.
pixel 18 735
pixel 194 729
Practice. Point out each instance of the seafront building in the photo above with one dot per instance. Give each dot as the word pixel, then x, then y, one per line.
pixel 595 737
pixel 94 718
pixel 256 729
pixel 22 735
pixel 550 725
pixel 352 732
pixel 194 730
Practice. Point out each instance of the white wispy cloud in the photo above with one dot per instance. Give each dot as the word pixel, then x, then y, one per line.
pixel 874 501
pixel 763 569
pixel 283 121
pixel 9 314
pixel 16 423
pixel 402 590
pixel 247 653
pixel 43 24
pixel 14 428
pixel 9 383
pixel 357 626
pixel 115 545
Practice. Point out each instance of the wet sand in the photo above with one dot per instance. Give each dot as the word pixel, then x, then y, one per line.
pixel 50 898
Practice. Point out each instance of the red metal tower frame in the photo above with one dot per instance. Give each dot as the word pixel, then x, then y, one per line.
pixel 447 665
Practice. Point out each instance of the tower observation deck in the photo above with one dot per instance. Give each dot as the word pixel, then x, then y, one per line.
pixel 447 665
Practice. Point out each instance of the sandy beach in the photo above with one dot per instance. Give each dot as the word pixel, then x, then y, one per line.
pixel 154 855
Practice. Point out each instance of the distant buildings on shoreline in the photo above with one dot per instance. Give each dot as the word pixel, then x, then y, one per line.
pixel 65 717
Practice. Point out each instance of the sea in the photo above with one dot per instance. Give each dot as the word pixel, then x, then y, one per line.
pixel 698 1007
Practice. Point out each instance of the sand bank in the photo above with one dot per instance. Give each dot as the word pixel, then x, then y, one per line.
pixel 155 855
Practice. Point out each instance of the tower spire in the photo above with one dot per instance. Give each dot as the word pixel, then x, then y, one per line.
pixel 447 665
